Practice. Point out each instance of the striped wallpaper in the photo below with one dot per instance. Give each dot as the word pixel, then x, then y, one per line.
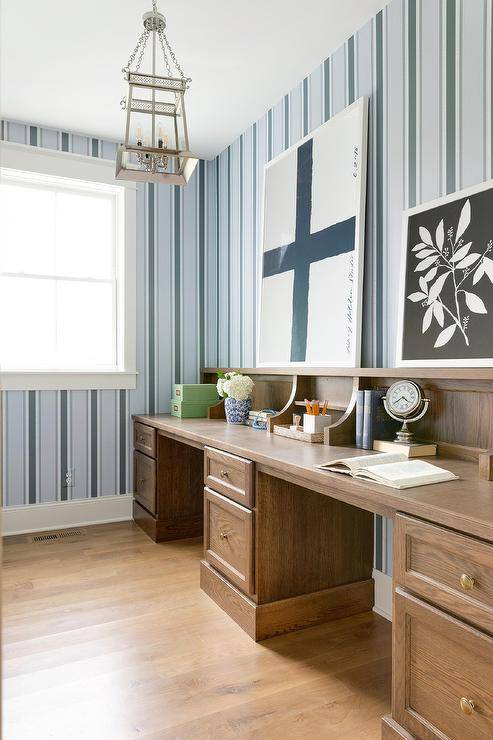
pixel 427 67
pixel 47 432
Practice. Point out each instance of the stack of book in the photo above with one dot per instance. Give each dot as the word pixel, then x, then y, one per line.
pixel 259 416
pixel 372 421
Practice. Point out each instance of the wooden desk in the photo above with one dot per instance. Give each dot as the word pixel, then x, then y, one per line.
pixel 279 556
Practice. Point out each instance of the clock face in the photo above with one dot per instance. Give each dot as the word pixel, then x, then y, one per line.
pixel 404 397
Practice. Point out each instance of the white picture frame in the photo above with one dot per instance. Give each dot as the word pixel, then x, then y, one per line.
pixel 357 114
pixel 465 215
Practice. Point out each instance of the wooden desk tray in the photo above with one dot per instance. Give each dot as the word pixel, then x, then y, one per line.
pixel 283 430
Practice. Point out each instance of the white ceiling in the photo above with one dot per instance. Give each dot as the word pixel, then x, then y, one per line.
pixel 61 60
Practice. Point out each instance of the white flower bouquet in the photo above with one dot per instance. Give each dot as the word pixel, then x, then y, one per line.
pixel 236 389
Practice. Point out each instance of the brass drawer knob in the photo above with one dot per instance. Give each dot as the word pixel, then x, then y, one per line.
pixel 223 535
pixel 224 473
pixel 466 705
pixel 467 582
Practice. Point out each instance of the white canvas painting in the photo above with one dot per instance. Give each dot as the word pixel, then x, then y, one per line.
pixel 312 247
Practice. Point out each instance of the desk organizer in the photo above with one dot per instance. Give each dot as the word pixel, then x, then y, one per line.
pixel 284 430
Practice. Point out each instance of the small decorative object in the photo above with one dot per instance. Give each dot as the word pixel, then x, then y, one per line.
pixel 312 246
pixel 156 147
pixel 446 300
pixel 296 423
pixel 236 389
pixel 404 401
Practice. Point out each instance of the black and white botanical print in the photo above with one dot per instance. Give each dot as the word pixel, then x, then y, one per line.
pixel 448 303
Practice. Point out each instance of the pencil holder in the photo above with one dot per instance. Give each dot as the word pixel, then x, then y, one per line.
pixel 315 424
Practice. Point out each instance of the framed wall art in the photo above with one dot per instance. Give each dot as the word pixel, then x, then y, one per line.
pixel 312 247
pixel 446 293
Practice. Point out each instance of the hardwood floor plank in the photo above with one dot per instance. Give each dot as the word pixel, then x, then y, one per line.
pixel 108 636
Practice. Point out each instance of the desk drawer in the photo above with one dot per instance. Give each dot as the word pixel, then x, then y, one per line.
pixel 452 570
pixel 443 674
pixel 228 539
pixel 145 481
pixel 230 475
pixel 145 439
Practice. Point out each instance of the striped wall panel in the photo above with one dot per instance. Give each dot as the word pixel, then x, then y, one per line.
pixel 48 432
pixel 427 67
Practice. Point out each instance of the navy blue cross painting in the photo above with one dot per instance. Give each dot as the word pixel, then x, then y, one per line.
pixel 312 250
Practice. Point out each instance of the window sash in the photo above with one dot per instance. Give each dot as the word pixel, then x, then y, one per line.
pixel 81 172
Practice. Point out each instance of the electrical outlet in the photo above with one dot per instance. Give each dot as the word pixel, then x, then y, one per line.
pixel 70 478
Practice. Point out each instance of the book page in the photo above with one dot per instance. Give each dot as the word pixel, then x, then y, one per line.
pixel 352 464
pixel 405 474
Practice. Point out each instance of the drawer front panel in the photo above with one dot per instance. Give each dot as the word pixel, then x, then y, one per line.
pixel 443 673
pixel 145 481
pixel 452 570
pixel 145 439
pixel 228 539
pixel 230 475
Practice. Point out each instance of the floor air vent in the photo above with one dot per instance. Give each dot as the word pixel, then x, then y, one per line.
pixel 61 535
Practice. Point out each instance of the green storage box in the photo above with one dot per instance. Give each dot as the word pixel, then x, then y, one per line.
pixel 196 393
pixel 190 409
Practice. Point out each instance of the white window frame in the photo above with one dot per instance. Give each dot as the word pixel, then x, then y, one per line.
pixel 89 169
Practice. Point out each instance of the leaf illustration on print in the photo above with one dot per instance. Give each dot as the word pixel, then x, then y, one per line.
pixel 448 256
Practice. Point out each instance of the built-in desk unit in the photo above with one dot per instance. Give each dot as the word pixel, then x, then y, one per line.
pixel 287 546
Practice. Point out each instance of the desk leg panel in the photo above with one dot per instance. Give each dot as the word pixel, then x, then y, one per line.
pixel 306 543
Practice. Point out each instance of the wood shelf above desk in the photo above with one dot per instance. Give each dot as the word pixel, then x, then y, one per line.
pixel 451 373
pixel 458 419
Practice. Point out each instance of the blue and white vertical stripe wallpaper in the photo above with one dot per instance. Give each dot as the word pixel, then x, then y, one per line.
pixel 427 67
pixel 47 432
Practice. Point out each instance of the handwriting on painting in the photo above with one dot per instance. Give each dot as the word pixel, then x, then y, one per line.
pixel 349 307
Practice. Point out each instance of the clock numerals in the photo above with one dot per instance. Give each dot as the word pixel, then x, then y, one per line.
pixel 403 398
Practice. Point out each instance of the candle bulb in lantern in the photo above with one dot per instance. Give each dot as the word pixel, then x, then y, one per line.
pixel 160 139
pixel 139 136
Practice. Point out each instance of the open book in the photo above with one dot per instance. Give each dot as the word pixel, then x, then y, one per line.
pixel 390 469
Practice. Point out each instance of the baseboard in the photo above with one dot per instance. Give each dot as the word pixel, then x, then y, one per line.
pixel 383 594
pixel 262 621
pixel 59 514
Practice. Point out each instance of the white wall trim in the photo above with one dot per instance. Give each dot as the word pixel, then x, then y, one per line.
pixel 383 594
pixel 60 514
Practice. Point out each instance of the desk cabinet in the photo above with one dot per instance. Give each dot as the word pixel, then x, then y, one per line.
pixel 284 557
pixel 443 673
pixel 442 634
pixel 168 487
pixel 228 539
pixel 145 481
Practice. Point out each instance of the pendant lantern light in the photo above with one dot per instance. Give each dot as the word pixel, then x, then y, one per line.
pixel 156 147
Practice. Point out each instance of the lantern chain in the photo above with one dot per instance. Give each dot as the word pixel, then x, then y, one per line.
pixel 166 60
pixel 141 44
pixel 172 54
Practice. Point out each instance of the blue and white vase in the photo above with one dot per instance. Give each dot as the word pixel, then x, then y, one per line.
pixel 237 411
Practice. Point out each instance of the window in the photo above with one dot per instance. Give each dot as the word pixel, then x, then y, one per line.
pixel 65 276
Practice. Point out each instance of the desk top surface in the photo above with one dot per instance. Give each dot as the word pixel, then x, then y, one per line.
pixel 465 504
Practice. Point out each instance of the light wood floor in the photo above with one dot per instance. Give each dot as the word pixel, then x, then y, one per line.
pixel 108 636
